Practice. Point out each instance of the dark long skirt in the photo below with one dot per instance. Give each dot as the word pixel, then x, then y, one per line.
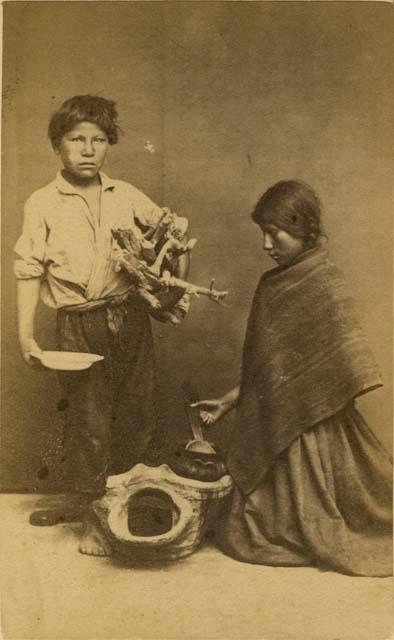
pixel 110 416
pixel 327 501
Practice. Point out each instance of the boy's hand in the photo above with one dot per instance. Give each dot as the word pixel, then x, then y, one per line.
pixel 177 313
pixel 30 347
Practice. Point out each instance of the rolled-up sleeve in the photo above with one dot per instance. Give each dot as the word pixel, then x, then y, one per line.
pixel 145 210
pixel 30 247
pixel 149 214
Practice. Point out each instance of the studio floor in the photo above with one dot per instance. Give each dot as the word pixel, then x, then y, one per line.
pixel 51 591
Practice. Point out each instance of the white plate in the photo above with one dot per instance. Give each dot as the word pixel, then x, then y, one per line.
pixel 66 360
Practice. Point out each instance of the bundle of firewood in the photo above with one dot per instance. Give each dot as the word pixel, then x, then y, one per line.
pixel 150 258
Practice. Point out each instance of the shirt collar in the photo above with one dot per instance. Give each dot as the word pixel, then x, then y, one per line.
pixel 67 188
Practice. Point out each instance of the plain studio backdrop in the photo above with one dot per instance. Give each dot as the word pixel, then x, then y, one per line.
pixel 217 100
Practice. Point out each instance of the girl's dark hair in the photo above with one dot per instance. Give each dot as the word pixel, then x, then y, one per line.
pixel 291 205
pixel 99 111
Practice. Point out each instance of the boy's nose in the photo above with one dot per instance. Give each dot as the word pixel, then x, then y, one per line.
pixel 267 242
pixel 88 149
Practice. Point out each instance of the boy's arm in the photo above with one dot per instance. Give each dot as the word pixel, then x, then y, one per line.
pixel 28 292
pixel 145 210
pixel 149 214
pixel 183 265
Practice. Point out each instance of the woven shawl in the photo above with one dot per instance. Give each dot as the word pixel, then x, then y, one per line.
pixel 305 358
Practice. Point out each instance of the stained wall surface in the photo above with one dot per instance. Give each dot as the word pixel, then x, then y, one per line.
pixel 233 96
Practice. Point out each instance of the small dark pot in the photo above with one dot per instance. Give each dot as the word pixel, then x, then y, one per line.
pixel 196 465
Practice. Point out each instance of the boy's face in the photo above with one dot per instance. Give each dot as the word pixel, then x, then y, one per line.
pixel 82 151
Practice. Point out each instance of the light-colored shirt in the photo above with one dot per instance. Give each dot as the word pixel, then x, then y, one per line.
pixel 72 251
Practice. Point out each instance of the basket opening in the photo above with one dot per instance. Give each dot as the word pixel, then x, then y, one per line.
pixel 151 512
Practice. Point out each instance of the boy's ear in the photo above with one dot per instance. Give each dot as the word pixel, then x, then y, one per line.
pixel 55 146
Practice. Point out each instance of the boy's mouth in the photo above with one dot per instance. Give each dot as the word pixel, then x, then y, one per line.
pixel 87 164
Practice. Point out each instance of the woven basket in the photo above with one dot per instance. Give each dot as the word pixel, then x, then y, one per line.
pixel 150 513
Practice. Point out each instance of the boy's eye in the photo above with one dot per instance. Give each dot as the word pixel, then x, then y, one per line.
pixel 82 139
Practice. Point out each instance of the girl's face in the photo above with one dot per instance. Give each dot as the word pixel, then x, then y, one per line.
pixel 281 246
pixel 82 151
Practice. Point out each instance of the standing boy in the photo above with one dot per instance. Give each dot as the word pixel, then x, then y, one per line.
pixel 65 255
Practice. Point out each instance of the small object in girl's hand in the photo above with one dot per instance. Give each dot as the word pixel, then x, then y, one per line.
pixel 191 395
pixel 200 446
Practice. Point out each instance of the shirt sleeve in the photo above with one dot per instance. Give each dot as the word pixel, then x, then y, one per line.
pixel 30 247
pixel 145 210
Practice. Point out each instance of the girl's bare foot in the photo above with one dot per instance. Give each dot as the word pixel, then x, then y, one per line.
pixel 93 541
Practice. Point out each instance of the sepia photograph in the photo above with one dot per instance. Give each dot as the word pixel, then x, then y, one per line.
pixel 197 320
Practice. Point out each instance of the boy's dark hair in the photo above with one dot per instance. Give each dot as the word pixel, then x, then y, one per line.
pixel 291 205
pixel 95 109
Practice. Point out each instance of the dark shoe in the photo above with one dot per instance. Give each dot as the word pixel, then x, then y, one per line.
pixel 50 517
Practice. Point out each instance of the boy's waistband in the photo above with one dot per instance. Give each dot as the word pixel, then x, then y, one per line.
pixel 114 306
pixel 90 305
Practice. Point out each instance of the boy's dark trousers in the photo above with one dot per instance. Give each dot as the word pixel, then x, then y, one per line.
pixel 110 415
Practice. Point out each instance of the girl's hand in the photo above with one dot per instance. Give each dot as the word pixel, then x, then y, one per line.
pixel 211 410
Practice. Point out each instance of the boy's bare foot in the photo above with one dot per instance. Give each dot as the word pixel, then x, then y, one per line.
pixel 93 541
